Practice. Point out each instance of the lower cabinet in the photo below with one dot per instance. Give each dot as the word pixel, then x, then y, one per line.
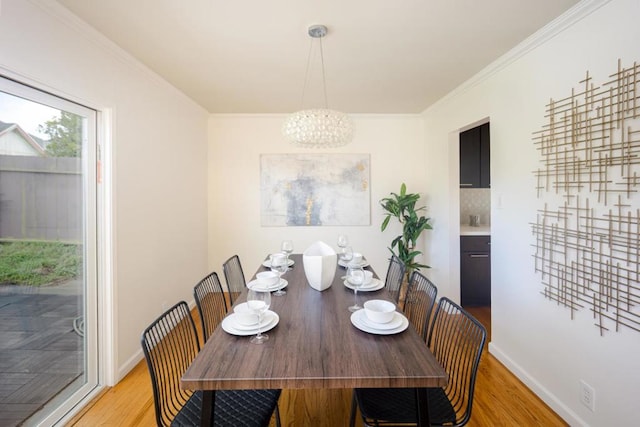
pixel 475 271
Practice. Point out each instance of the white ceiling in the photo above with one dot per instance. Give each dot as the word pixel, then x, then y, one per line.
pixel 381 56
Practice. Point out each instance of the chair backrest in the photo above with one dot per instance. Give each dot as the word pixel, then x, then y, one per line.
pixel 419 302
pixel 170 344
pixel 234 276
pixel 211 302
pixel 393 281
pixel 457 339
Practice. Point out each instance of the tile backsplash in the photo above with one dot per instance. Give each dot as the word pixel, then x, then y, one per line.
pixel 475 201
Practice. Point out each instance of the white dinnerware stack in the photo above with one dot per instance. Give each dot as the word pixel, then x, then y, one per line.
pixel 370 283
pixel 351 258
pixel 379 317
pixel 244 322
pixel 379 311
pixel 267 262
pixel 268 281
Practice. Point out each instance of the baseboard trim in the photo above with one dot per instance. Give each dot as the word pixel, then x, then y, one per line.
pixel 129 365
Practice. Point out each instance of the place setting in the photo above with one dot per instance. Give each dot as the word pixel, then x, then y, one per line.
pixel 287 248
pixel 379 317
pixel 347 257
pixel 369 283
pixel 350 258
pixel 272 280
pixel 252 317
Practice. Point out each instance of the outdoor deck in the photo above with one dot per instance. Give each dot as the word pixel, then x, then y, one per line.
pixel 40 352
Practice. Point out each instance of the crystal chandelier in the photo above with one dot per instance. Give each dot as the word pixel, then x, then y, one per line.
pixel 320 127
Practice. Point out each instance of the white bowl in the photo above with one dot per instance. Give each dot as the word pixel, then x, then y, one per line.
pixel 267 278
pixel 379 311
pixel 241 308
pixel 281 257
pixel 246 319
pixel 356 259
pixel 368 277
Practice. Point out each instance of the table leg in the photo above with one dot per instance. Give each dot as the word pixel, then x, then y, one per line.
pixel 208 405
pixel 422 406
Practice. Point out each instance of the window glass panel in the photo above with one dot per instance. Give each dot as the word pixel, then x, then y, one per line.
pixel 47 254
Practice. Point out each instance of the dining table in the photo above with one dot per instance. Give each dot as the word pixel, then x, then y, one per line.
pixel 315 345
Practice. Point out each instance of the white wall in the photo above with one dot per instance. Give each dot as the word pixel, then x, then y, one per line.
pixel 158 138
pixel 533 336
pixel 395 143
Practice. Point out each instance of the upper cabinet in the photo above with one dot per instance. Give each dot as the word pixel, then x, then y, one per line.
pixel 475 157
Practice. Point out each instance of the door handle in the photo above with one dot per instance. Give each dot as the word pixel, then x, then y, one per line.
pixel 479 256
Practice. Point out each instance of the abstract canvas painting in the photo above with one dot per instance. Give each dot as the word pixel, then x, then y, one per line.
pixel 315 189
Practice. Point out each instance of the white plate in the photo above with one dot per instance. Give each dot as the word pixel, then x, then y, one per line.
pixel 358 321
pixel 395 323
pixel 280 285
pixel 376 284
pixel 267 318
pixel 363 264
pixel 270 319
pixel 267 263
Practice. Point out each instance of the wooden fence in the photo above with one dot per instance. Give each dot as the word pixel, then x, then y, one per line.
pixel 40 198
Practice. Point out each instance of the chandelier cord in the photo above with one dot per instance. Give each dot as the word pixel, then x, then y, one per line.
pixel 307 76
pixel 324 81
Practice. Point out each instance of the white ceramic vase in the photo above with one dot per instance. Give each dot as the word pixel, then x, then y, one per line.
pixel 319 262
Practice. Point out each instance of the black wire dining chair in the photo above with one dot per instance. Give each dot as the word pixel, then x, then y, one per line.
pixel 170 344
pixel 211 303
pixel 394 278
pixel 419 302
pixel 456 339
pixel 233 274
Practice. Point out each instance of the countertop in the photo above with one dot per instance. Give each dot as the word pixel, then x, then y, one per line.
pixel 482 230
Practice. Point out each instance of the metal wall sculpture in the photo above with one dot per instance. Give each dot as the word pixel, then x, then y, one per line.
pixel 587 234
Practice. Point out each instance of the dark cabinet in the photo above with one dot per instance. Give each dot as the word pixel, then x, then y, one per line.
pixel 475 271
pixel 475 156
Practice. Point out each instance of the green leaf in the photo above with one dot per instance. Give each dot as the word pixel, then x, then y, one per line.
pixel 385 223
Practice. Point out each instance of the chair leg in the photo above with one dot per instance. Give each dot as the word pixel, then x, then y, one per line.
pixel 352 415
pixel 277 416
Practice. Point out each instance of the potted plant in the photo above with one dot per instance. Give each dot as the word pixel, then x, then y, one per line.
pixel 403 207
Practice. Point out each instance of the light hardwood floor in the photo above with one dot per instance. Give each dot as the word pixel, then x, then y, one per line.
pixel 500 400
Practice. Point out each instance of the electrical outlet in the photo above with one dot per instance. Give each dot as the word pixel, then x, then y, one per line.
pixel 587 396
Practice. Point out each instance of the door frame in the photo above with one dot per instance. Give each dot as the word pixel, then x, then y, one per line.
pixel 97 165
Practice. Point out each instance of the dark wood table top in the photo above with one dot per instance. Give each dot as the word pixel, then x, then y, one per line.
pixel 314 345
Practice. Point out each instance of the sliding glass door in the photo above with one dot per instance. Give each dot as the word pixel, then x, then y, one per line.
pixel 48 255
